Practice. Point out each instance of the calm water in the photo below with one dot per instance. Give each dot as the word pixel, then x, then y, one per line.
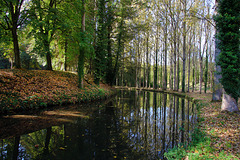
pixel 132 125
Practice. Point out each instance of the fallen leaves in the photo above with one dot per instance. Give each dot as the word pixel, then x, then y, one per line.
pixel 223 128
pixel 25 89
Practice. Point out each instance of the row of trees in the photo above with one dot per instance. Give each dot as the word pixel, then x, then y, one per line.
pixel 174 50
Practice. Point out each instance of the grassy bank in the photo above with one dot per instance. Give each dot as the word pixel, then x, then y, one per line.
pixel 217 135
pixel 26 90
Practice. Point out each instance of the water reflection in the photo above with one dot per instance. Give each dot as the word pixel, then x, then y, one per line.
pixel 133 125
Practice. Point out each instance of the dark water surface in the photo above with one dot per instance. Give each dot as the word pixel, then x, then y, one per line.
pixel 132 125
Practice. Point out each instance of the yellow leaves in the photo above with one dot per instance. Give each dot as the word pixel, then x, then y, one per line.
pixel 61 148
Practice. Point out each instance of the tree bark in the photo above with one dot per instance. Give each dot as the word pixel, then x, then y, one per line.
pixel 184 48
pixel 165 60
pixel 217 87
pixel 175 59
pixel 49 61
pixel 156 62
pixel 65 59
pixel 16 47
pixel 178 66
pixel 229 104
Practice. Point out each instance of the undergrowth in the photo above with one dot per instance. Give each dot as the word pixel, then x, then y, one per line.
pixel 200 147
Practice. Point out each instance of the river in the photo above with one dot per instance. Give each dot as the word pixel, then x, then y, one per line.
pixel 131 125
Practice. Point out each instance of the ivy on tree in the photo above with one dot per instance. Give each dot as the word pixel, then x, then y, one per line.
pixel 228 26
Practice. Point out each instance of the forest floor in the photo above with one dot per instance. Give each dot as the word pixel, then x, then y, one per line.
pixel 22 90
pixel 220 130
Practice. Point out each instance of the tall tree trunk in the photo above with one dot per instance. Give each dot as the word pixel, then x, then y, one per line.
pixel 65 59
pixel 81 50
pixel 200 66
pixel 171 72
pixel 144 70
pixel 119 47
pixel 189 60
pixel 147 60
pixel 15 14
pixel 217 86
pixel 16 47
pixel 193 72
pixel 148 63
pixel 196 71
pixel 175 58
pixel 178 66
pixel 156 62
pixel 165 59
pixel 161 71
pixel 206 72
pixel 189 65
pixel 184 47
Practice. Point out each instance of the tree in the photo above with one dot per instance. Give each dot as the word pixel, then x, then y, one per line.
pixel 101 43
pixel 228 27
pixel 81 55
pixel 44 20
pixel 217 87
pixel 12 15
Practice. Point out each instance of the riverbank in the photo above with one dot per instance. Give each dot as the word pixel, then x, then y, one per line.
pixel 23 90
pixel 217 135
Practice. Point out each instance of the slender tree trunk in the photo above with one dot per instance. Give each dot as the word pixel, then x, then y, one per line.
pixel 206 72
pixel 144 70
pixel 184 48
pixel 189 65
pixel 217 87
pixel 200 66
pixel 156 62
pixel 171 73
pixel 178 67
pixel 119 49
pixel 65 60
pixel 81 51
pixel 165 60
pixel 147 60
pixel 161 71
pixel 15 14
pixel 196 71
pixel 175 59
pixel 193 72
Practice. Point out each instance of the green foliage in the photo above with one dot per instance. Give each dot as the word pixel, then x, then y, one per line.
pixel 101 43
pixel 228 27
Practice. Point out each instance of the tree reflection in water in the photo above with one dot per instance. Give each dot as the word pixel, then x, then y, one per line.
pixel 133 125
